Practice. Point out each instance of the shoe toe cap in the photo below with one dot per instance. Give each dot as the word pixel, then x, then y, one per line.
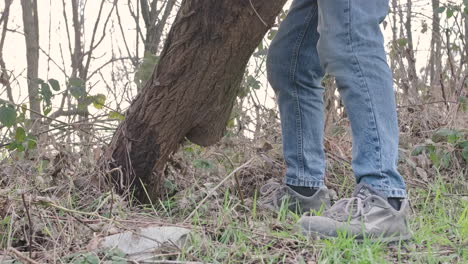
pixel 319 225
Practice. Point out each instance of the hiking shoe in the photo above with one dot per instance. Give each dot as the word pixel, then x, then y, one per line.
pixel 366 215
pixel 274 194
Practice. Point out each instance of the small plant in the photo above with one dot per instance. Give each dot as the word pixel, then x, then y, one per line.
pixel 444 146
pixel 113 256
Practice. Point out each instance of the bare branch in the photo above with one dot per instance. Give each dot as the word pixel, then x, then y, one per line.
pixel 4 75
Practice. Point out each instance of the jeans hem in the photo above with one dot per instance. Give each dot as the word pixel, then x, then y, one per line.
pixel 304 182
pixel 391 193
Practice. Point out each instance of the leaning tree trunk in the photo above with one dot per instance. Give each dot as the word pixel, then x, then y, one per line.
pixel 193 88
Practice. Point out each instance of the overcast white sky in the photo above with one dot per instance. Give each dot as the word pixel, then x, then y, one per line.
pixel 57 46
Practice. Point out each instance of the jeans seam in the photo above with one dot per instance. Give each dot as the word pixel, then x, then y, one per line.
pixel 292 78
pixel 371 105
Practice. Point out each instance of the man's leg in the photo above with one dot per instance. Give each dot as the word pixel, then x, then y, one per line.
pixel 351 48
pixel 295 74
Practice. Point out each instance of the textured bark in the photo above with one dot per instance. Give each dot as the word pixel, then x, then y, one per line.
pixel 193 88
pixel 435 62
pixel 31 35
pixel 411 59
pixel 466 37
pixel 412 73
pixel 4 74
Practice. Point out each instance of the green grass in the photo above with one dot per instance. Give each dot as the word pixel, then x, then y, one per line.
pixel 240 234
pixel 226 229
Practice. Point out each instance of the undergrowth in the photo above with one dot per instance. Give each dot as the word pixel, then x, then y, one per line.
pixel 52 205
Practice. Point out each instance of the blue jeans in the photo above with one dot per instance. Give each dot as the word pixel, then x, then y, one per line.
pixel 341 38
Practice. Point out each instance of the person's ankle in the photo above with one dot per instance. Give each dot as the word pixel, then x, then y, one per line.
pixel 305 191
pixel 395 202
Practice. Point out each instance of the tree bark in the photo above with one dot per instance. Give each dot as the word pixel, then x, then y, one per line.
pixel 466 36
pixel 193 88
pixel 412 73
pixel 4 75
pixel 31 35
pixel 435 62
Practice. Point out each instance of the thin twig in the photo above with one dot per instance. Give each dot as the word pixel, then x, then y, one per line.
pixel 428 103
pixel 58 121
pixel 216 187
pixel 236 178
pixel 18 255
pixel 258 15
pixel 30 225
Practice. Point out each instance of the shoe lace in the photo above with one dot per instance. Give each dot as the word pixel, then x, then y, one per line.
pixel 344 208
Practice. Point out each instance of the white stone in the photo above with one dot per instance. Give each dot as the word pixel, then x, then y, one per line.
pixel 140 244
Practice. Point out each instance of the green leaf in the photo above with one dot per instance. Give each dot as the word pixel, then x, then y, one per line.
pixel 92 259
pixel 434 157
pixel 446 159
pixel 402 42
pixel 5 221
pixel 47 110
pixel 202 164
pixel 440 9
pixel 7 115
pixel 46 93
pixel 75 82
pixel 430 148
pixel 32 143
pixel 77 87
pixel 85 102
pixel 99 101
pixel 78 91
pixel 54 84
pixel 448 135
pixel 453 138
pixel 253 83
pixel 449 13
pixel 465 154
pixel 462 100
pixel 189 150
pixel 24 109
pixel 231 123
pixel 463 144
pixel 117 253
pixel 418 150
pixel 15 145
pixel 116 115
pixel 20 135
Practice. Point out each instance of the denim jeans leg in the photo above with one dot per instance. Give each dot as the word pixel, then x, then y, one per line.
pixel 351 48
pixel 295 73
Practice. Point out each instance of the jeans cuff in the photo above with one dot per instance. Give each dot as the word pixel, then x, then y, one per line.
pixel 391 193
pixel 304 182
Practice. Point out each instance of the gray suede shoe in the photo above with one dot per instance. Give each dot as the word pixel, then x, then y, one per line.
pixel 273 195
pixel 367 214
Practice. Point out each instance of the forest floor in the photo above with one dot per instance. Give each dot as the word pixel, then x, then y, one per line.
pixel 51 210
